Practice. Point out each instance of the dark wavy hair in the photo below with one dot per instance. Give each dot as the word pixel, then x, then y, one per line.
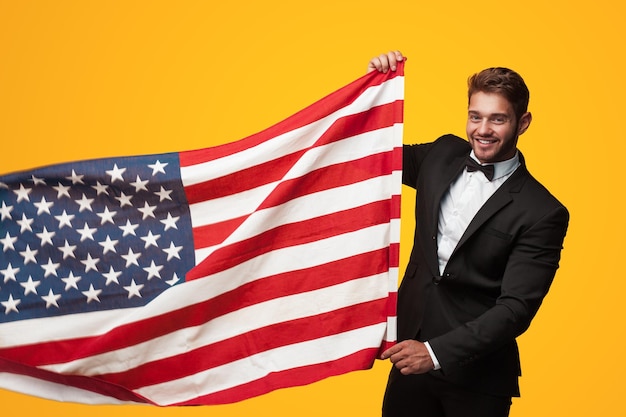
pixel 505 82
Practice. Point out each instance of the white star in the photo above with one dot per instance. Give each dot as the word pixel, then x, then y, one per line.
pixel 124 200
pixel 100 188
pixel 108 245
pixel 22 193
pixel 164 194
pixel 43 206
pixel 129 229
pixel 9 273
pixel 133 289
pixel 11 304
pixel 29 255
pixel 172 251
pixel 158 166
pixel 170 222
pixel 25 223
pixel 46 236
pixel 84 203
pixel 147 210
pixel 68 250
pixel 8 242
pixel 5 211
pixel 106 216
pixel 30 286
pixel 37 180
pixel 139 184
pixel 131 258
pixel 150 239
pixel 86 232
pixel 90 263
pixel 51 299
pixel 62 190
pixel 112 276
pixel 92 294
pixel 65 219
pixel 75 178
pixel 50 268
pixel 174 280
pixel 153 270
pixel 116 173
pixel 71 281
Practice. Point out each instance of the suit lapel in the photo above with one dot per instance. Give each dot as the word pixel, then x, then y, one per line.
pixel 501 198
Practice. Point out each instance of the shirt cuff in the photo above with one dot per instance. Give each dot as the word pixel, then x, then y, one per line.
pixel 432 356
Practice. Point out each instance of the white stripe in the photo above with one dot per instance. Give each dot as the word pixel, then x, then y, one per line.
pixel 292 141
pixel 53 391
pixel 196 291
pixel 255 367
pixel 391 335
pixel 232 324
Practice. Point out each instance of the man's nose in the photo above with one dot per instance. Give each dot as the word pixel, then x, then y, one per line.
pixel 484 128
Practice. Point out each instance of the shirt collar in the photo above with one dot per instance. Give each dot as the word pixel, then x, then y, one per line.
pixel 502 168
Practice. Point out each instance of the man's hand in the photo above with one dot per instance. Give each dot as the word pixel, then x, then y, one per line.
pixel 385 62
pixel 410 357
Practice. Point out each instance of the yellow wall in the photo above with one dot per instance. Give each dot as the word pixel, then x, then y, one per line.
pixel 84 79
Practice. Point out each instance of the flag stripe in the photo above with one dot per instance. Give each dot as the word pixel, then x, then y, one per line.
pixel 332 348
pixel 76 381
pixel 282 379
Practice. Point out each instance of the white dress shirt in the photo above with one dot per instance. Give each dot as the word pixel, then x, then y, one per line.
pixel 464 198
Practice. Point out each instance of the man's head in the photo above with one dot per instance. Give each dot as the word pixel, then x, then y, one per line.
pixel 497 113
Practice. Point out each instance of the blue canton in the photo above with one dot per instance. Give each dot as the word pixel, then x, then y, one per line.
pixel 93 235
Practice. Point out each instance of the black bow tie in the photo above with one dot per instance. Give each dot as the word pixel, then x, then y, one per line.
pixel 472 166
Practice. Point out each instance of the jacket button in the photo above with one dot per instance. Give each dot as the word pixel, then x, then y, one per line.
pixel 436 280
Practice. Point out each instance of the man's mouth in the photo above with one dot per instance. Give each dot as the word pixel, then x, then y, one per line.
pixel 485 141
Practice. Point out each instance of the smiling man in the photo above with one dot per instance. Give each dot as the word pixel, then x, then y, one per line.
pixel 487 245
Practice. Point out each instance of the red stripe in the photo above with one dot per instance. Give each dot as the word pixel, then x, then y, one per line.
pixel 242 180
pixel 279 285
pixel 330 177
pixel 213 234
pixel 304 375
pixel 252 343
pixel 292 234
pixel 271 171
pixel 310 114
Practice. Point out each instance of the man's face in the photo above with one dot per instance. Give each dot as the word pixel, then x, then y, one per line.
pixel 492 129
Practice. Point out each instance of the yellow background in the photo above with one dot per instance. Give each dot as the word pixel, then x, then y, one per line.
pixel 85 79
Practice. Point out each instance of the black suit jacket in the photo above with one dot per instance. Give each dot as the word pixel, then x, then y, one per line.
pixel 495 279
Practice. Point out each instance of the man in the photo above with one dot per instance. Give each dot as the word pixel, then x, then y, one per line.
pixel 485 252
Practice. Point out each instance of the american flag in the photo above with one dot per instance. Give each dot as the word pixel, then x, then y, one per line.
pixel 208 276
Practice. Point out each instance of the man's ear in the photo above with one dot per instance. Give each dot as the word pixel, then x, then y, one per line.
pixel 524 122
